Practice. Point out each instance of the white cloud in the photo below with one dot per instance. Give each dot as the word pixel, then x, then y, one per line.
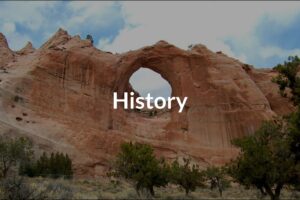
pixel 14 39
pixel 267 52
pixel 84 11
pixel 17 41
pixel 147 81
pixel 103 42
pixel 95 15
pixel 29 14
pixel 8 28
pixel 184 23
pixel 180 23
pixel 44 18
pixel 209 23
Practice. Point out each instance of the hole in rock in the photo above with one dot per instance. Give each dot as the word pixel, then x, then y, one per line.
pixel 19 118
pixel 145 81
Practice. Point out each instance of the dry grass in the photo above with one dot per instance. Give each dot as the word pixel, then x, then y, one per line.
pixel 104 188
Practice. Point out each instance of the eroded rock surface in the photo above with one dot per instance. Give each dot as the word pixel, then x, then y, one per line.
pixel 27 49
pixel 6 54
pixel 66 86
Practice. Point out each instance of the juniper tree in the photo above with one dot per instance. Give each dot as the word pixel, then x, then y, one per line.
pixel 217 178
pixel 13 152
pixel 187 175
pixel 266 161
pixel 137 163
pixel 288 77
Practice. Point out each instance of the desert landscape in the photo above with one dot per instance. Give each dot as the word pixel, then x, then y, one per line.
pixel 235 135
pixel 60 95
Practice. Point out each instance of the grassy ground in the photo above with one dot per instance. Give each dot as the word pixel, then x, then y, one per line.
pixel 104 188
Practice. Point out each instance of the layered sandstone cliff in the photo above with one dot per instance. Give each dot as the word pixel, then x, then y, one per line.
pixel 61 96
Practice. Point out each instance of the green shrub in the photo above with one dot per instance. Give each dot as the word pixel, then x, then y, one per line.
pixel 19 188
pixel 55 166
pixel 137 163
pixel 13 152
pixel 288 78
pixel 266 160
pixel 187 176
pixel 217 178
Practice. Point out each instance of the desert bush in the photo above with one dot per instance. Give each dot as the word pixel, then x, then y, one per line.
pixel 19 188
pixel 137 163
pixel 13 152
pixel 216 176
pixel 58 190
pixel 266 160
pixel 293 124
pixel 188 175
pixel 288 77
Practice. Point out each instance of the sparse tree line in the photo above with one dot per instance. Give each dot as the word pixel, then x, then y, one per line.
pixel 268 161
pixel 55 166
pixel 18 155
pixel 17 161
pixel 137 163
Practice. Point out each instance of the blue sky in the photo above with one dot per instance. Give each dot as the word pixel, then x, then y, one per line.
pixel 37 21
pixel 259 33
pixel 158 87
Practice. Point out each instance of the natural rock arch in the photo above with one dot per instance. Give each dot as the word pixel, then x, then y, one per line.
pixel 161 67
pixel 165 69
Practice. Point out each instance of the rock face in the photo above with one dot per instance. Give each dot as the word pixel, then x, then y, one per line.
pixel 65 89
pixel 6 54
pixel 27 49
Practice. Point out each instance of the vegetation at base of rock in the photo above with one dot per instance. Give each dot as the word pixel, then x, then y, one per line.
pixel 266 160
pixel 55 166
pixel 293 121
pixel 106 188
pixel 188 175
pixel 137 163
pixel 13 152
pixel 18 188
pixel 269 159
pixel 17 153
pixel 216 176
pixel 288 77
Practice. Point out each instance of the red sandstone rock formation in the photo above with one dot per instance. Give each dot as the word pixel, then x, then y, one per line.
pixel 65 89
pixel 27 49
pixel 6 54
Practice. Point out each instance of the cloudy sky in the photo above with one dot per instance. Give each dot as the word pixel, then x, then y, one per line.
pixel 259 33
